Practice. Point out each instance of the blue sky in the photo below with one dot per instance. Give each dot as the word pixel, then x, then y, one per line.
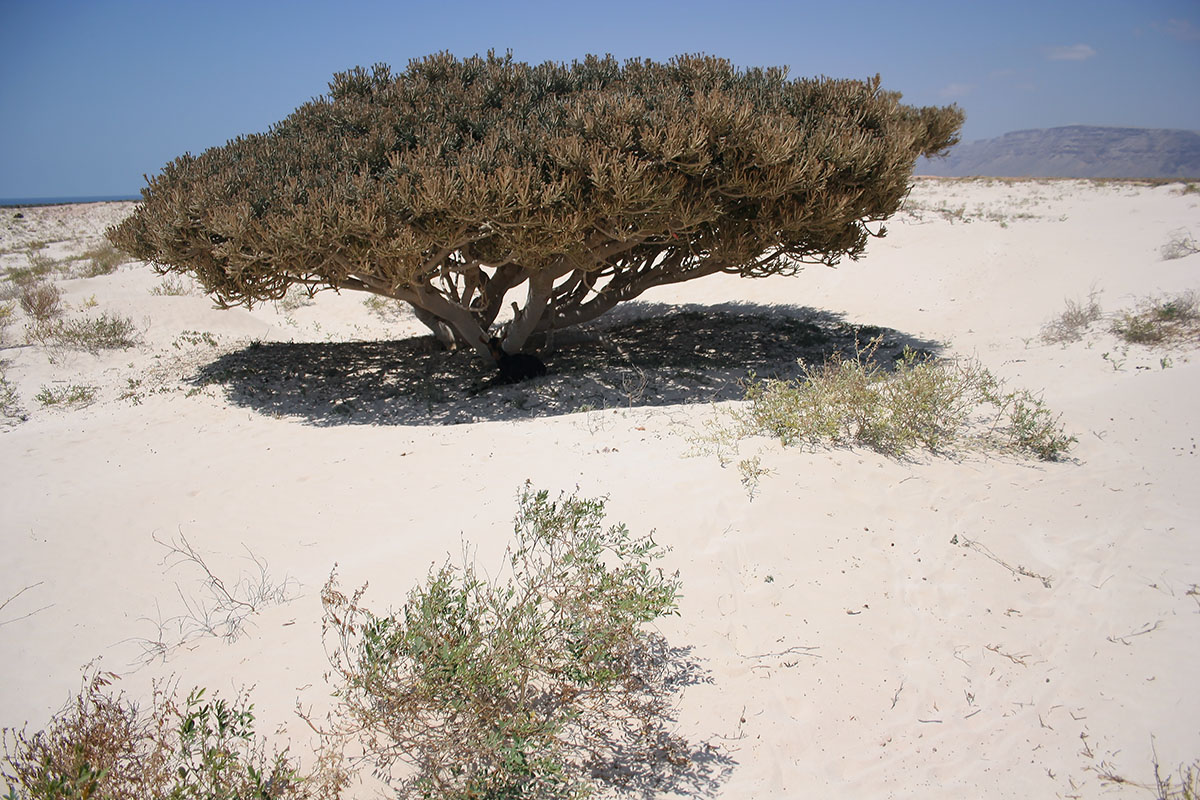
pixel 95 94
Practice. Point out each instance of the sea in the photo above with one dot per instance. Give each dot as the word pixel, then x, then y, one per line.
pixel 8 202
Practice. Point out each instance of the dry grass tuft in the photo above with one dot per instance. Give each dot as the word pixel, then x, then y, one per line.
pixel 922 402
pixel 41 301
pixel 1074 322
pixel 1173 319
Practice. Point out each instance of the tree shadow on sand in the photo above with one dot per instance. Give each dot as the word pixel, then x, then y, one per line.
pixel 643 354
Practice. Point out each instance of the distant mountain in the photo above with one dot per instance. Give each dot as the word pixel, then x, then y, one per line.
pixel 1076 151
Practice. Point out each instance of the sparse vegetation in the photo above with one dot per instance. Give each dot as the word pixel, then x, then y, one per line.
pixel 385 308
pixel 194 339
pixel 173 286
pixel 520 688
pixel 922 402
pixel 1074 321
pixel 1159 321
pixel 40 300
pixel 40 264
pixel 70 395
pixel 295 297
pixel 1180 245
pixel 7 310
pixel 92 334
pixel 223 610
pixel 10 407
pixel 102 260
pixel 105 746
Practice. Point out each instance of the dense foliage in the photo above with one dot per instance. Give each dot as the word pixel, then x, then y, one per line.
pixel 456 181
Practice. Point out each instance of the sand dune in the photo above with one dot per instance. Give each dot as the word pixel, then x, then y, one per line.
pixel 972 624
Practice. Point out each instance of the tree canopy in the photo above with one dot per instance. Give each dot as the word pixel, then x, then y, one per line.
pixel 454 183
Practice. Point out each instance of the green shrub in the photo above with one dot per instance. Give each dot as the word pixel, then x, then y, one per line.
pixel 520 688
pixel 6 318
pixel 1164 320
pixel 93 334
pixel 102 260
pixel 71 395
pixel 10 406
pixel 104 746
pixel 922 402
pixel 173 286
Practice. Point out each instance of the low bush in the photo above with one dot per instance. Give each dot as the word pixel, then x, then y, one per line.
pixel 42 301
pixel 93 334
pixel 525 687
pixel 1164 320
pixel 6 318
pixel 72 395
pixel 104 746
pixel 10 405
pixel 173 286
pixel 921 402
pixel 102 260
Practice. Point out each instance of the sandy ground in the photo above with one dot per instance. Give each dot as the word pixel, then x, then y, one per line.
pixel 975 625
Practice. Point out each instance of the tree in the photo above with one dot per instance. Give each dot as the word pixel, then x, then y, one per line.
pixel 453 184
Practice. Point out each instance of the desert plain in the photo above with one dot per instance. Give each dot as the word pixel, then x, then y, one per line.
pixel 972 623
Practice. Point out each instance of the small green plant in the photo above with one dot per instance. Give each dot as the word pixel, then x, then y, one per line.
pixel 1160 321
pixel 40 264
pixel 752 471
pixel 102 260
pixel 921 402
pixel 296 297
pixel 1029 426
pixel 1074 321
pixel 194 339
pixel 514 688
pixel 70 395
pixel 385 308
pixel 173 286
pixel 10 407
pixel 7 312
pixel 93 334
pixel 104 746
pixel 41 301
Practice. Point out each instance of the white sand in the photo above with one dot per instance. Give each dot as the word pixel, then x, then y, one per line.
pixel 849 647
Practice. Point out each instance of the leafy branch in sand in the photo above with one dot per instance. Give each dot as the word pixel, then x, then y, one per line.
pixel 525 687
pixel 103 745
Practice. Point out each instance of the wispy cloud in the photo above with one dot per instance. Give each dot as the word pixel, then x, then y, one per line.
pixel 1182 29
pixel 956 90
pixel 1070 52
